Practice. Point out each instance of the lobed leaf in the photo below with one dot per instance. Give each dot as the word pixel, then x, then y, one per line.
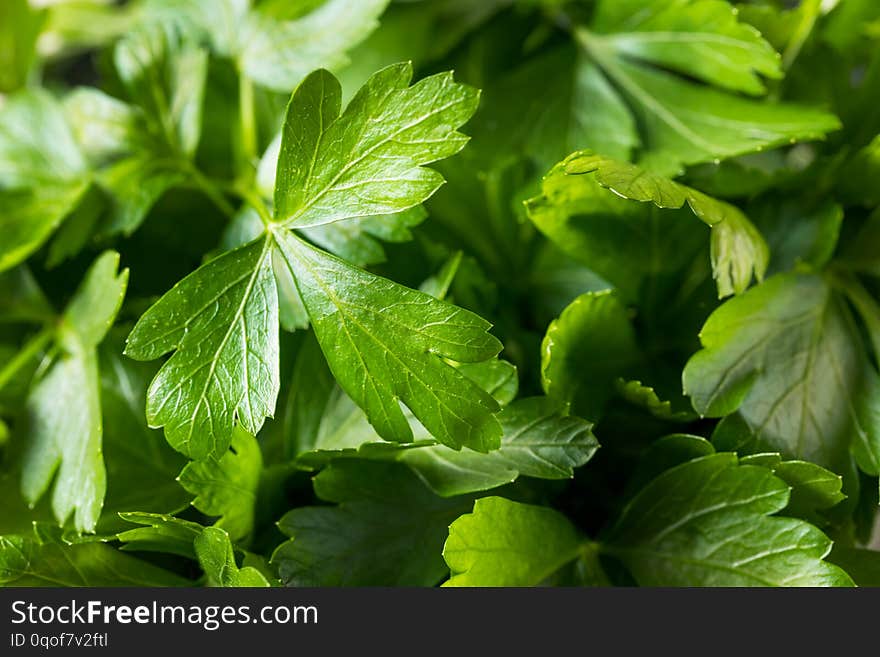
pixel 385 343
pixel 709 522
pixel 383 511
pixel 63 408
pixel 227 486
pixel 504 543
pixel 369 159
pixel 222 323
pixel 770 354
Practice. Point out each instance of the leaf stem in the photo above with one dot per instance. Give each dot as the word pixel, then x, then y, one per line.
pixel 212 190
pixel 256 202
pixel 31 348
pixel 810 12
pixel 863 301
pixel 248 119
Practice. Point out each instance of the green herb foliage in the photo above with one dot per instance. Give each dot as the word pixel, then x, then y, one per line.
pixel 459 293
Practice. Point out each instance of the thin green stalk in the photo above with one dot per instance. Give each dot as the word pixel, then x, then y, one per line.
pixel 256 202
pixel 248 119
pixel 212 190
pixel 28 352
pixel 809 14
pixel 862 299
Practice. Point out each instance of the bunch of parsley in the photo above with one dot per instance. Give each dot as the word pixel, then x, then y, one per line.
pixel 272 314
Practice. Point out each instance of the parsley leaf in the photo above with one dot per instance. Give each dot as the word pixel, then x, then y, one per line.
pixel 581 373
pixel 43 174
pixel 384 342
pixel 275 46
pixel 537 440
pixel 227 487
pixel 20 25
pixel 159 533
pixel 708 523
pixel 35 561
pixel 635 45
pixel 367 160
pixel 799 320
pixel 575 207
pixel 217 558
pixel 354 324
pixel 383 511
pixel 504 543
pixel 63 407
pixel 165 76
pixel 222 320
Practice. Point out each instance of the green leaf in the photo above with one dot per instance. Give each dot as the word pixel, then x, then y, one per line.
pixel 385 344
pixel 21 299
pixel 227 486
pixel 369 159
pixel 165 76
pixel 104 127
pixel 812 487
pixel 222 323
pixel 651 52
pixel 222 371
pixel 538 440
pixel 159 533
pixel 322 422
pixel 701 39
pixel 20 25
pixel 43 174
pixel 146 148
pixel 136 161
pixel 504 543
pixel 590 345
pixel 571 194
pixel 217 558
pixel 369 539
pixel 771 354
pixel 611 236
pixel 796 233
pixel 26 561
pixel 646 397
pixel 359 242
pixel 63 408
pixel 274 47
pixel 551 105
pixel 279 54
pixel 141 468
pixel 709 522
